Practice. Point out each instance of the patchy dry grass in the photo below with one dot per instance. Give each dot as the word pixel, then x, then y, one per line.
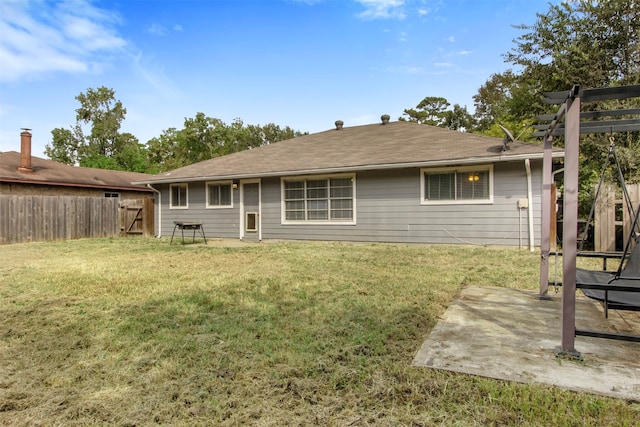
pixel 137 332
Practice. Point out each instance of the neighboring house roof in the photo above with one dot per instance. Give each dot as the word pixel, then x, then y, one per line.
pixel 377 146
pixel 49 172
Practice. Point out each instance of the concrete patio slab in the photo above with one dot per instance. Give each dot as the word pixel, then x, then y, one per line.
pixel 512 335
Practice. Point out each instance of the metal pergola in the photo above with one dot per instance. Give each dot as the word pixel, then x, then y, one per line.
pixel 570 122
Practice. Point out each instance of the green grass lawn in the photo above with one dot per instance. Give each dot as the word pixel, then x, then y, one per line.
pixel 136 332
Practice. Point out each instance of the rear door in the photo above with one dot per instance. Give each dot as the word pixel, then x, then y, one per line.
pixel 250 212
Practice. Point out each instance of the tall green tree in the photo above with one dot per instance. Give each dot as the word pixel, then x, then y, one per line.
pixel 592 43
pixel 203 138
pixel 162 151
pixel 435 111
pixel 504 99
pixel 95 140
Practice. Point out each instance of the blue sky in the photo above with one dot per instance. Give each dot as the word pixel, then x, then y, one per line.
pixel 303 64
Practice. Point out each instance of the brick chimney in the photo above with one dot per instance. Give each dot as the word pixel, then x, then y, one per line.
pixel 25 151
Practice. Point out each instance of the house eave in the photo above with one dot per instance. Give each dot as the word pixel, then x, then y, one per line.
pixel 357 168
pixel 68 184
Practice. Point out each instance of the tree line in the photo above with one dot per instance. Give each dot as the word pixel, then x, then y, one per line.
pixel 592 43
pixel 96 141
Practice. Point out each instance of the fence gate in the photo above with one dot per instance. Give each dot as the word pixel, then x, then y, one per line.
pixel 136 217
pixel 612 220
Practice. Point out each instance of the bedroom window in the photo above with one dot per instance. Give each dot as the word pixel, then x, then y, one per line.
pixel 179 194
pixel 219 195
pixel 321 200
pixel 457 185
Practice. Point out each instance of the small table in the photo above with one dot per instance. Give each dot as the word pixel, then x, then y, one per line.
pixel 188 226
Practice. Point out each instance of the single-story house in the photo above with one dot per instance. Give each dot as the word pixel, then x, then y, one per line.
pixel 388 182
pixel 23 174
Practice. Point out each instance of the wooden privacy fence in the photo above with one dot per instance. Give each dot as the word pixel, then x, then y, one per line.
pixel 612 219
pixel 43 218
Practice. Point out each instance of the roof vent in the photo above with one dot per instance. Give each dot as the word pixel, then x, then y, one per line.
pixel 385 119
pixel 339 124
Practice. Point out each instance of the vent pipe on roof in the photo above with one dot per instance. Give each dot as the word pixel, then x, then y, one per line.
pixel 385 119
pixel 25 151
pixel 339 124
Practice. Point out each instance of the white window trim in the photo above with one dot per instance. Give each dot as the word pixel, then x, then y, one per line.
pixel 206 187
pixel 283 213
pixel 463 169
pixel 171 206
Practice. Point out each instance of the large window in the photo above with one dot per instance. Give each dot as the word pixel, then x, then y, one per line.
pixel 457 185
pixel 326 199
pixel 219 195
pixel 179 195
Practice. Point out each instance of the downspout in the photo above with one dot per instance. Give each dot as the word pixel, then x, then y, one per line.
pixel 527 166
pixel 159 210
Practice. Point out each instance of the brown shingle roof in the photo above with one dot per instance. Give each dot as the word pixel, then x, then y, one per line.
pixel 377 146
pixel 48 172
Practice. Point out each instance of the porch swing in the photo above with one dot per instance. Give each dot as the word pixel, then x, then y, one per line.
pixel 611 154
pixel 583 237
pixel 619 290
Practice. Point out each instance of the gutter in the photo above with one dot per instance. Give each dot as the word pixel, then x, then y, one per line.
pixel 77 185
pixel 159 210
pixel 345 169
pixel 527 166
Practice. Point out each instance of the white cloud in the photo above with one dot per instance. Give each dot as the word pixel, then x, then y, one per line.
pixel 40 38
pixel 451 39
pixel 308 2
pixel 154 75
pixel 406 70
pixel 449 54
pixel 415 70
pixel 382 9
pixel 443 64
pixel 161 30
pixel 157 29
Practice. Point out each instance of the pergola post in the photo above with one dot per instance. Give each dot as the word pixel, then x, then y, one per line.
pixel 572 128
pixel 570 222
pixel 545 242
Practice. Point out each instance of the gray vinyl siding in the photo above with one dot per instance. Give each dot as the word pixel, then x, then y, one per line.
pixel 217 222
pixel 388 209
